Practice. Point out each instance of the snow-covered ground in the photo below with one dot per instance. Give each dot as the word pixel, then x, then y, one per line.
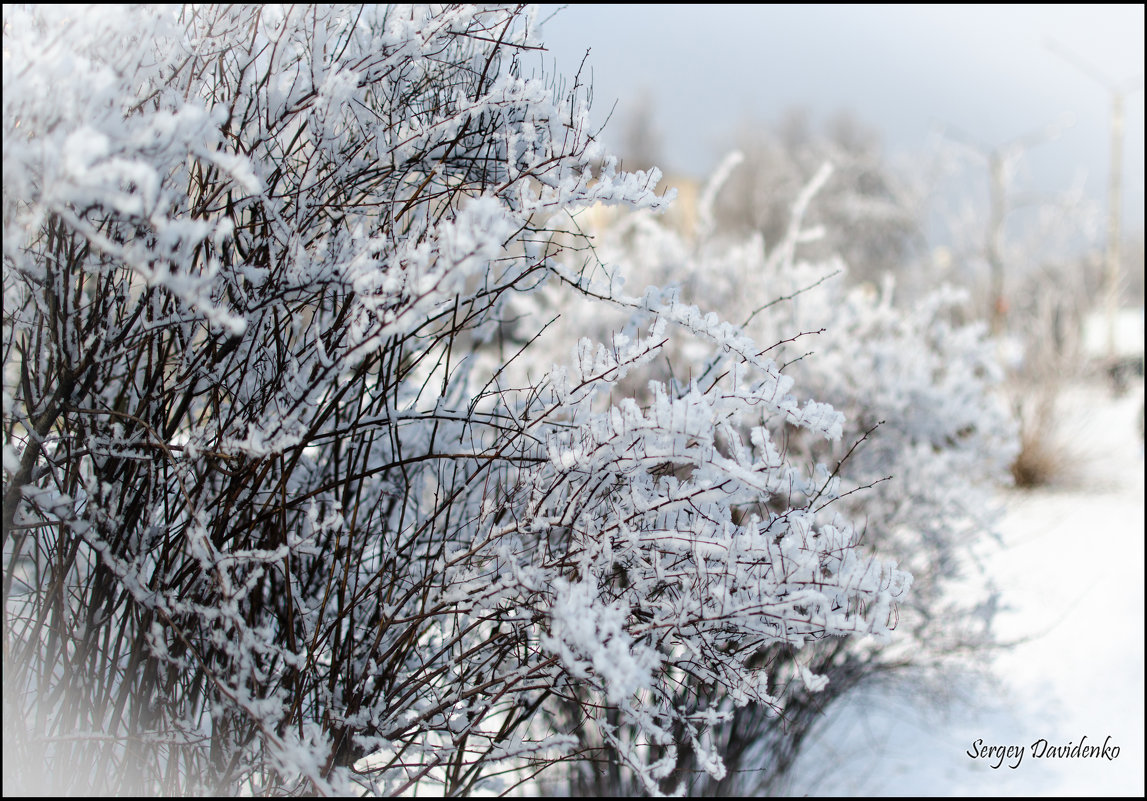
pixel 1071 571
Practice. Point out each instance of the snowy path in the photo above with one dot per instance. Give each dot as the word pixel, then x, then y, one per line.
pixel 1072 576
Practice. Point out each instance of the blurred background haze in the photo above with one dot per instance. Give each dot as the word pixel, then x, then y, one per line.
pixel 699 72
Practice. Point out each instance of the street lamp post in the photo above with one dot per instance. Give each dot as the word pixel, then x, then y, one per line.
pixel 1114 179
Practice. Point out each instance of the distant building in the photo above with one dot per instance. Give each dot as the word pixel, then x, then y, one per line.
pixel 1128 334
pixel 1127 360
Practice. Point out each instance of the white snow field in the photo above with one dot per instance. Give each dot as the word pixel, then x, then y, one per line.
pixel 1071 574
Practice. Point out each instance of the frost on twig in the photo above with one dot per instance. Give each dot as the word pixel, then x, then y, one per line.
pixel 912 461
pixel 279 517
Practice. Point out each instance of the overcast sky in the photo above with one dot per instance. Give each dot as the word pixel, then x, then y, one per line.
pixel 905 70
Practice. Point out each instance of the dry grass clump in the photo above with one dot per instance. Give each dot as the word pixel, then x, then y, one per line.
pixel 1043 459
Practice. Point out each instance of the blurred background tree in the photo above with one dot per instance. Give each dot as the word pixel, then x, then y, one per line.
pixel 869 212
pixel 961 212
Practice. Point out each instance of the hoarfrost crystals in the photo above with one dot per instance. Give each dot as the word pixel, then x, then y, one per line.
pixel 262 269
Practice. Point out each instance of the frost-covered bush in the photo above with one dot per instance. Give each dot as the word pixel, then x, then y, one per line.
pixel 926 438
pixel 276 518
